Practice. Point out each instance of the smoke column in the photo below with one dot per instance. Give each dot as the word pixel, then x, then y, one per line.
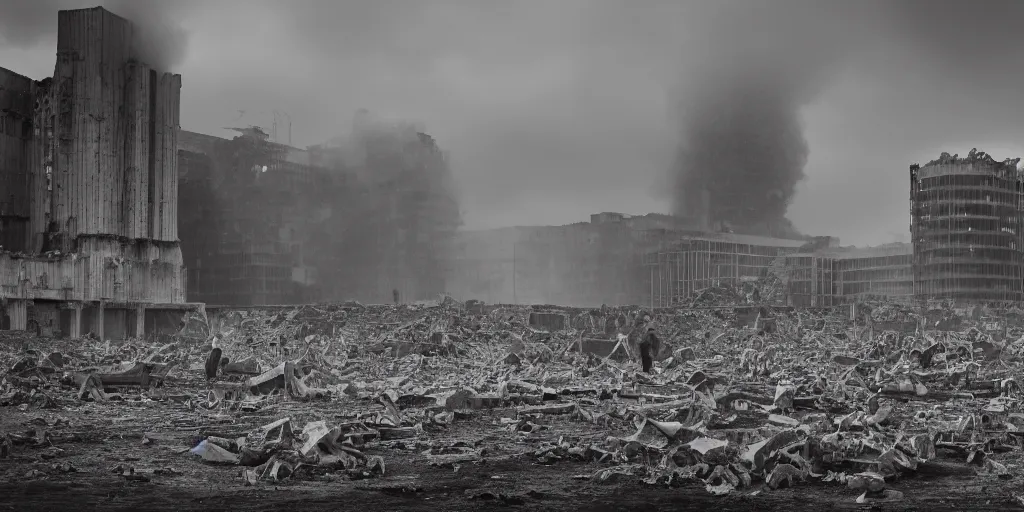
pixel 739 108
pixel 757 64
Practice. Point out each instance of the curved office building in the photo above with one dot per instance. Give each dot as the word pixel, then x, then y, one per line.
pixel 965 224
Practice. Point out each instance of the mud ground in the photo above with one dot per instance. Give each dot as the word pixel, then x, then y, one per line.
pixel 100 438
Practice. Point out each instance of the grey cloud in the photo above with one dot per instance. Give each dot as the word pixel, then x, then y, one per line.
pixel 27 22
pixel 160 42
pixel 870 86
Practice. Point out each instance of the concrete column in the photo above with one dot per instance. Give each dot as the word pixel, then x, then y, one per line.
pixel 18 311
pixel 100 310
pixel 76 322
pixel 139 330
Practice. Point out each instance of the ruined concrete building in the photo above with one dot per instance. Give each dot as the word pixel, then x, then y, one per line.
pixel 254 211
pixel 88 186
pixel 352 220
pixel 396 222
pixel 966 218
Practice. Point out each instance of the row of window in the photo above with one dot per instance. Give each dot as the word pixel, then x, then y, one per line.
pixel 968 194
pixel 969 180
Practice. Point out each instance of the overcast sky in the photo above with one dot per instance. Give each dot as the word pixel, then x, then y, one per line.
pixel 556 109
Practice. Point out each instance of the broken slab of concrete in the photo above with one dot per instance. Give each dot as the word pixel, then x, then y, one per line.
pixel 284 377
pixel 548 321
pixel 139 374
pixel 247 366
pixel 563 408
pixel 600 347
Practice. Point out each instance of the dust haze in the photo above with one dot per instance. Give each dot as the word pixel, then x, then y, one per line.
pixel 740 98
pixel 789 110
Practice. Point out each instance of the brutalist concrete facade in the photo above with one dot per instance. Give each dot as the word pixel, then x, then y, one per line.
pixel 89 181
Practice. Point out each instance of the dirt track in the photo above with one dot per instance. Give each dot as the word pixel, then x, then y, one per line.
pixel 529 487
pixel 509 477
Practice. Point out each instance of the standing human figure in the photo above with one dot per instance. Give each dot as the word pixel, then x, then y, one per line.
pixel 649 349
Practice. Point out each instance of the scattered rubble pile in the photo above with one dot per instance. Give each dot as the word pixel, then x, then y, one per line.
pixel 743 399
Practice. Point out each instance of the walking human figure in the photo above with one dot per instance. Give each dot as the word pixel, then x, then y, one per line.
pixel 649 349
pixel 650 345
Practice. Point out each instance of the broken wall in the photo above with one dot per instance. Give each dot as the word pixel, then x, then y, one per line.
pixel 102 173
pixel 16 95
pixel 116 121
pixel 104 269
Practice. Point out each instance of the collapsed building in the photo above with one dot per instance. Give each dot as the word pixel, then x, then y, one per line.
pixel 354 219
pixel 252 209
pixel 88 202
pixel 396 224
pixel 688 262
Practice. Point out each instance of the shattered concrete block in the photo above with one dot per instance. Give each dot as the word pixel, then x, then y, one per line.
pixel 783 476
pixel 213 453
pixel 247 366
pixel 285 378
pixel 598 347
pixel 485 402
pixel 393 433
pixel 269 381
pixel 548 321
pixel 564 408
pixel 319 438
pixel 867 481
pixel 279 431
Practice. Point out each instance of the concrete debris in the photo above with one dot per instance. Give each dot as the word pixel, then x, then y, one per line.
pixel 823 396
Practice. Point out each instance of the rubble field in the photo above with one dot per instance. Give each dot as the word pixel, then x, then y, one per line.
pixel 459 406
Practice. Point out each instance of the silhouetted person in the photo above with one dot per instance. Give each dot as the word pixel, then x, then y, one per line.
pixel 213 362
pixel 394 294
pixel 650 346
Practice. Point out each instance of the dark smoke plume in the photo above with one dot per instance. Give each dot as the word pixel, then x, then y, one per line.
pixel 160 41
pixel 742 140
pixel 740 103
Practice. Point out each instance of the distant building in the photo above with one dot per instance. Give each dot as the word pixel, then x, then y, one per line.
pixel 834 276
pixel 652 260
